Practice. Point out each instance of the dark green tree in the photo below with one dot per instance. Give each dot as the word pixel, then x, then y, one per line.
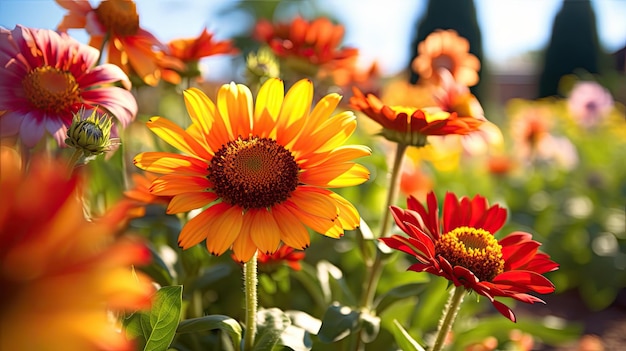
pixel 459 15
pixel 573 46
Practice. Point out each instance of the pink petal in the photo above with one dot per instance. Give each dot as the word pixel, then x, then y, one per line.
pixel 119 102
pixel 10 123
pixel 104 74
pixel 32 128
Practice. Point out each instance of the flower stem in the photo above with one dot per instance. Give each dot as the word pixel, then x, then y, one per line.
pixel 376 267
pixel 73 160
pixel 250 284
pixel 449 314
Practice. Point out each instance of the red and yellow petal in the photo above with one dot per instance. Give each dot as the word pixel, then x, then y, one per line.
pixel 166 163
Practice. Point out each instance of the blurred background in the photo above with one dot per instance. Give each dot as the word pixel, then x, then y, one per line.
pixel 575 203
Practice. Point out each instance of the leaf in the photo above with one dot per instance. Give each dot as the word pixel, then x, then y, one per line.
pixel 210 276
pixel 271 323
pixel 164 318
pixel 403 339
pixel 396 294
pixel 337 323
pixel 224 323
pixel 336 287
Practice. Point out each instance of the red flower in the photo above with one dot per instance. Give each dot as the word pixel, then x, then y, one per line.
pixel 286 254
pixel 461 247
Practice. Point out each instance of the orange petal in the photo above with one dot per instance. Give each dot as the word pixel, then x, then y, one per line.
pixel 190 201
pixel 292 232
pixel 265 233
pixel 243 247
pixel 197 228
pixel 166 162
pixel 224 229
pixel 177 137
pixel 173 184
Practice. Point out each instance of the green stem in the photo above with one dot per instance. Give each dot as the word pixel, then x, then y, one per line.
pixel 449 314
pixel 250 285
pixel 73 160
pixel 376 268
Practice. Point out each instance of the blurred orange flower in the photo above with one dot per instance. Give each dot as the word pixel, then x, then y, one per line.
pixel 190 51
pixel 313 42
pixel 411 125
pixel 60 273
pixel 117 22
pixel 446 49
pixel 141 194
pixel 285 254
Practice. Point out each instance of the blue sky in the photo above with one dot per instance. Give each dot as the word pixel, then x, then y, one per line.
pixel 509 27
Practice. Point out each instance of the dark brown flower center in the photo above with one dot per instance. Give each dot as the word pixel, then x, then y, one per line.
pixel 253 173
pixel 50 89
pixel 119 16
pixel 474 249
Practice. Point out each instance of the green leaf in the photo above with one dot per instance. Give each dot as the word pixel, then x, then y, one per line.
pixel 396 294
pixel 403 339
pixel 164 318
pixel 333 283
pixel 337 323
pixel 270 325
pixel 224 323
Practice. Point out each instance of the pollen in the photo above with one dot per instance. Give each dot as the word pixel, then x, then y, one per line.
pixel 119 16
pixel 50 89
pixel 253 173
pixel 474 249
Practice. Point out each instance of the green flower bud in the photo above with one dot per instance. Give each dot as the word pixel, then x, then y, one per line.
pixel 91 135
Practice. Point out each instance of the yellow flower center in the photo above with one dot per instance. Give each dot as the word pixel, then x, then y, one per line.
pixel 50 89
pixel 253 173
pixel 474 249
pixel 119 16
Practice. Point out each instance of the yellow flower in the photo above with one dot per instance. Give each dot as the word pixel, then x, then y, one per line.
pixel 259 170
pixel 60 273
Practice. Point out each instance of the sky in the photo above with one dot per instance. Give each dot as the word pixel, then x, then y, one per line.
pixel 382 32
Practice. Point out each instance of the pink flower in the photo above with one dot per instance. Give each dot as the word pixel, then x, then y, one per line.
pixel 589 103
pixel 45 77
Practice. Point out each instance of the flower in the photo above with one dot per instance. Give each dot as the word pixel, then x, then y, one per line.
pixel 141 196
pixel 589 103
pixel 46 77
pixel 410 125
pixel 91 135
pixel 259 173
pixel 461 247
pixel 446 49
pixel 116 21
pixel 285 254
pixel 64 272
pixel 190 51
pixel 307 45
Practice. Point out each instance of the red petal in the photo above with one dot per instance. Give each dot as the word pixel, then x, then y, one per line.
pixel 525 280
pixel 504 310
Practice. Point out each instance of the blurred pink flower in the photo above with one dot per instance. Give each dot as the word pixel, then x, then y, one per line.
pixel 589 102
pixel 45 77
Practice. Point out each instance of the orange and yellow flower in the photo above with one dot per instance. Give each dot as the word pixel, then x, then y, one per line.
pixel 190 50
pixel 315 42
pixel 446 49
pixel 461 247
pixel 258 169
pixel 61 273
pixel 128 46
pixel 411 125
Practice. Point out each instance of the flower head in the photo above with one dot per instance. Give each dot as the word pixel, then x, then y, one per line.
pixel 63 271
pixel 258 169
pixel 284 255
pixel 128 45
pixel 190 50
pixel 91 135
pixel 589 103
pixel 411 125
pixel 461 247
pixel 46 77
pixel 307 45
pixel 446 49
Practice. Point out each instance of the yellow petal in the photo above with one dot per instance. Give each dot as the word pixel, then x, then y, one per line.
pixel 319 224
pixel 348 215
pixel 200 108
pixel 234 103
pixel 328 136
pixel 310 200
pixel 166 162
pixel 177 137
pixel 292 232
pixel 186 202
pixel 224 229
pixel 265 233
pixel 339 155
pixel 335 175
pixel 294 112
pixel 172 184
